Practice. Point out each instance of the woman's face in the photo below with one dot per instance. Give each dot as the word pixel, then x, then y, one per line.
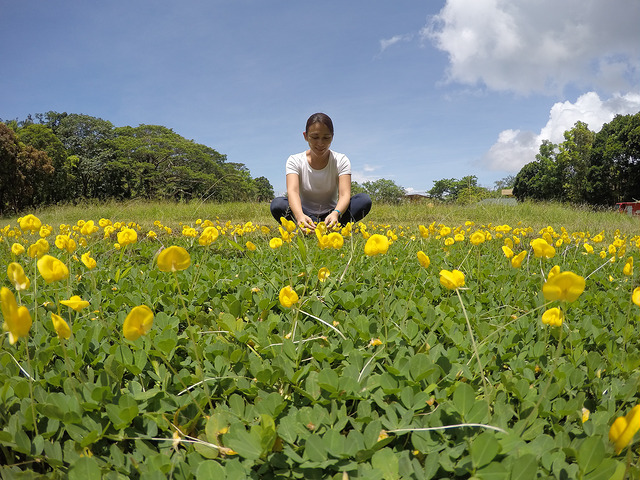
pixel 319 138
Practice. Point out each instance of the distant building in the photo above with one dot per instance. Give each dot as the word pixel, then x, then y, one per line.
pixel 507 192
pixel 416 197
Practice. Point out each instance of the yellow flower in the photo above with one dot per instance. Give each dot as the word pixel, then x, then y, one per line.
pixel 17 277
pixel 208 236
pixel 516 261
pixel 38 249
pixel 17 249
pixel 64 242
pixel 275 242
pixel 335 240
pixel 323 240
pixel 423 259
pixel 88 228
pixel 554 271
pixel 138 322
pixel 624 428
pixel 553 317
pixel 507 251
pixel 588 248
pixel 288 224
pixel 30 222
pixel 251 247
pixel 288 297
pixel 61 327
pixel 477 238
pixel 323 274
pixel 585 414
pixel 452 279
pixel 89 262
pixel 17 320
pixel 628 267
pixel 449 241
pixel 635 297
pixel 75 302
pixel 375 342
pixel 542 249
pixel 127 236
pixel 564 286
pixel 173 259
pixel 52 269
pixel 376 244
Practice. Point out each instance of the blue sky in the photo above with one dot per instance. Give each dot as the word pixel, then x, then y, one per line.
pixel 418 91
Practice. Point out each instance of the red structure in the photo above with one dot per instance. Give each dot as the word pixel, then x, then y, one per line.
pixel 630 208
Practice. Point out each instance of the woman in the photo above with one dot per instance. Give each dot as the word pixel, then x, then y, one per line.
pixel 319 182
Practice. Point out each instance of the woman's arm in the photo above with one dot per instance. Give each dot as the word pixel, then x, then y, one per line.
pixel 295 204
pixel 344 197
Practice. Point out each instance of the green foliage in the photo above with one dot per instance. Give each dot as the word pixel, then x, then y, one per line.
pixel 25 173
pixel 230 384
pixel 93 159
pixel 381 191
pixel 463 191
pixel 594 168
pixel 614 171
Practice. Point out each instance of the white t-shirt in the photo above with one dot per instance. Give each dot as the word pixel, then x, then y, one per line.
pixel 319 188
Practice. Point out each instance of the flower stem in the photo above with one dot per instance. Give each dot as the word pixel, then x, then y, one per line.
pixel 473 343
pixel 33 406
pixel 193 340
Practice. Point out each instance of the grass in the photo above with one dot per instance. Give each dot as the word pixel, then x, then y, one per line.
pixel 536 215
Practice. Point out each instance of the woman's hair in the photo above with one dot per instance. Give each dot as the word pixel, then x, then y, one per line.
pixel 322 118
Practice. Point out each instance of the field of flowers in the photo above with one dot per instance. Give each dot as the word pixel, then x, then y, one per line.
pixel 229 351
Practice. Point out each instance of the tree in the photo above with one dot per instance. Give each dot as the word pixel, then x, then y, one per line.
pixel 85 137
pixel 264 189
pixel 465 190
pixel 539 180
pixel 614 171
pixel 443 189
pixel 506 182
pixel 42 138
pixel 384 191
pixel 24 173
pixel 572 162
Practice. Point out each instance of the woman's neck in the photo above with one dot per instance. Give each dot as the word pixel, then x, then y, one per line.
pixel 317 162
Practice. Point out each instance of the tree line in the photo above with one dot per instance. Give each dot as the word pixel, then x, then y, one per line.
pixel 60 157
pixel 586 168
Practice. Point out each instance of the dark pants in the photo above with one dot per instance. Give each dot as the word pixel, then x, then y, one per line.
pixel 358 208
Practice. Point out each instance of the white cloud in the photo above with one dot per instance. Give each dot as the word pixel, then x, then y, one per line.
pixel 541 46
pixel 515 148
pixel 365 174
pixel 387 42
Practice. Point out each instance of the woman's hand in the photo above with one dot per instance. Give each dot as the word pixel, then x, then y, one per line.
pixel 306 222
pixel 332 219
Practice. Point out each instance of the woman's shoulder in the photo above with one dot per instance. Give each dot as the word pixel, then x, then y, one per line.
pixel 340 158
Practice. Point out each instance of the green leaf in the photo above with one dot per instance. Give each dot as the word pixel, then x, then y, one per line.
pixel 85 468
pixel 463 399
pixel 209 470
pixel 386 461
pixel 525 468
pixel 484 449
pixel 605 471
pixel 493 471
pixel 590 453
pixel 328 380
pixel 315 449
pixel 247 444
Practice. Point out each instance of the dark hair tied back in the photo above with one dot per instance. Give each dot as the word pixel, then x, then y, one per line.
pixel 322 118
